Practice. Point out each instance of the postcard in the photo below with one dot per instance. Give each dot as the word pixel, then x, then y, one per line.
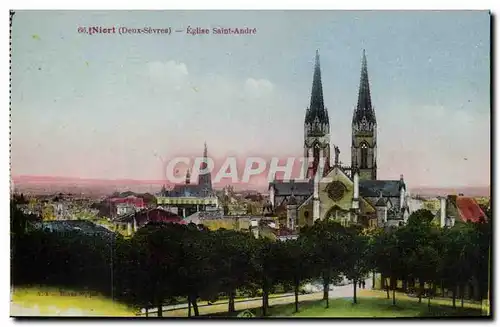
pixel 250 164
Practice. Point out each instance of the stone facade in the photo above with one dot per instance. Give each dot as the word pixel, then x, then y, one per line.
pixel 350 195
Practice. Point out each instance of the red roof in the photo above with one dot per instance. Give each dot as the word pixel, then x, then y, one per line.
pixel 469 210
pixel 158 215
pixel 137 202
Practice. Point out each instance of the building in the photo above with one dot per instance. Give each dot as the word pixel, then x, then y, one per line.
pixel 187 198
pixel 331 190
pixel 135 220
pixel 455 208
pixel 125 205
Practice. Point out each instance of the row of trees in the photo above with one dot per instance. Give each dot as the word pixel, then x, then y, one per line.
pixel 163 262
pixel 453 259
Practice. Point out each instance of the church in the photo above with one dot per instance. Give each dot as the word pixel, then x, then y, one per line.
pixel 187 199
pixel 348 194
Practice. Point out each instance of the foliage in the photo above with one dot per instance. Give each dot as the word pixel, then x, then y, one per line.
pixel 164 262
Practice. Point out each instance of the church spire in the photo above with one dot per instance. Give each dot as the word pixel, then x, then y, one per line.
pixel 317 88
pixel 205 180
pixel 364 107
pixel 317 105
pixel 205 152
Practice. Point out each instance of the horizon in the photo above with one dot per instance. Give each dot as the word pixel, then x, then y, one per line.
pixel 116 107
pixel 37 180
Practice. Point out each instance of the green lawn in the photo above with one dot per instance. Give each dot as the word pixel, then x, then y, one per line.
pixel 43 301
pixel 366 308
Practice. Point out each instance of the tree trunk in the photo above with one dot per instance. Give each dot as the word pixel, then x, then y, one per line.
pixel 160 310
pixel 454 295
pixel 354 299
pixel 326 282
pixel 231 308
pixel 387 288
pixel 442 289
pixel 421 290
pixel 429 302
pixel 405 285
pixel 195 307
pixel 189 307
pixel 147 312
pixel 462 289
pixel 394 283
pixel 296 296
pixel 264 299
pixel 373 280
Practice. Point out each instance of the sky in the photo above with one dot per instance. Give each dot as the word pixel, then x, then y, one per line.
pixel 112 106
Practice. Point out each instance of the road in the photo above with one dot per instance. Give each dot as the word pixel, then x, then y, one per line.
pixel 180 310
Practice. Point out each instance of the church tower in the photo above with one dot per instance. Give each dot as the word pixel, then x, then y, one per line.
pixel 205 180
pixel 316 127
pixel 364 130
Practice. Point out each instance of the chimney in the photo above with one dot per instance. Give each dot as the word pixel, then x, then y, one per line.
pixel 443 210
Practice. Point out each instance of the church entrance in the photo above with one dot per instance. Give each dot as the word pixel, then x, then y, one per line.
pixel 341 216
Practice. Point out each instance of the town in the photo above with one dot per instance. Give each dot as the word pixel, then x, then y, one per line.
pixel 365 218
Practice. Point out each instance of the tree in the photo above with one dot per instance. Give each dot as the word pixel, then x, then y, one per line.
pixel 458 252
pixel 372 235
pixel 294 257
pixel 416 247
pixel 325 239
pixel 232 258
pixel 265 270
pixel 156 257
pixel 197 270
pixel 389 259
pixel 356 263
pixel 420 216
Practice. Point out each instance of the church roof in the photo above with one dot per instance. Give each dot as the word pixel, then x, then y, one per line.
pixel 283 188
pixel 372 188
pixel 190 190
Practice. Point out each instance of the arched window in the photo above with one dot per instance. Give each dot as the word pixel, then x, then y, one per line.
pixel 364 156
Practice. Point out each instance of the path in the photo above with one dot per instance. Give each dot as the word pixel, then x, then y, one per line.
pixel 180 310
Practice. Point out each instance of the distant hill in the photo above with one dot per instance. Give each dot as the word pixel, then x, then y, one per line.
pixel 466 190
pixel 50 185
